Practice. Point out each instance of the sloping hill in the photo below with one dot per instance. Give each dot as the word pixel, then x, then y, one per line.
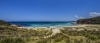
pixel 2 22
pixel 94 20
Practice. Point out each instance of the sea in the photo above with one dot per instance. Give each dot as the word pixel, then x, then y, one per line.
pixel 44 24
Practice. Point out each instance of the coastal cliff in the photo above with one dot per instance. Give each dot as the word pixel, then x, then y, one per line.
pixel 94 20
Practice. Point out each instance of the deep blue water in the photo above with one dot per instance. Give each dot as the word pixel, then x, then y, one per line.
pixel 43 24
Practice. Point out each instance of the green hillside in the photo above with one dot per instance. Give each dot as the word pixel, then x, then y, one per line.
pixel 94 20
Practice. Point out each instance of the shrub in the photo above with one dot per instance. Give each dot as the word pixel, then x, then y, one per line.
pixel 12 40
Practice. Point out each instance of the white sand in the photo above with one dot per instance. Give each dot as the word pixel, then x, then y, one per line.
pixel 54 32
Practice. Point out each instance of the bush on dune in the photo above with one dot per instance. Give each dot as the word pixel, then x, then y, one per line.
pixel 12 40
pixel 2 22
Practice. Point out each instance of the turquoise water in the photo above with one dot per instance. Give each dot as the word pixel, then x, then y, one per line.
pixel 43 24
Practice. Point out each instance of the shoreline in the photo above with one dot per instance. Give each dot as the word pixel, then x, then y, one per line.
pixel 80 25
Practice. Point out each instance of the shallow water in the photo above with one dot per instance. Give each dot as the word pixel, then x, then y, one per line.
pixel 43 24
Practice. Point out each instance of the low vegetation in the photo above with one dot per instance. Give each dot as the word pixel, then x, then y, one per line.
pixel 8 32
pixel 91 33
pixel 2 22
pixel 88 34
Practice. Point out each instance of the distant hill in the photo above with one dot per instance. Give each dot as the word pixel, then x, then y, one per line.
pixel 2 22
pixel 94 20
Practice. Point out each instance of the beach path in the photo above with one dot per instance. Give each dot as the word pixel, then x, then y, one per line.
pixel 54 31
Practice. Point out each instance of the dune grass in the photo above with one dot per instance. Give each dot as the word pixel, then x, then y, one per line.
pixel 67 35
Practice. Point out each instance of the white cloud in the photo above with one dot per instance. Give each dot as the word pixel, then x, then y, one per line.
pixel 94 14
pixel 76 16
pixel 79 17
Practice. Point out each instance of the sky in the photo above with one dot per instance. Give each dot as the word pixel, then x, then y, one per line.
pixel 47 10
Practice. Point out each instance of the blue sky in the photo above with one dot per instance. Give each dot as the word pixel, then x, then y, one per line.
pixel 47 10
